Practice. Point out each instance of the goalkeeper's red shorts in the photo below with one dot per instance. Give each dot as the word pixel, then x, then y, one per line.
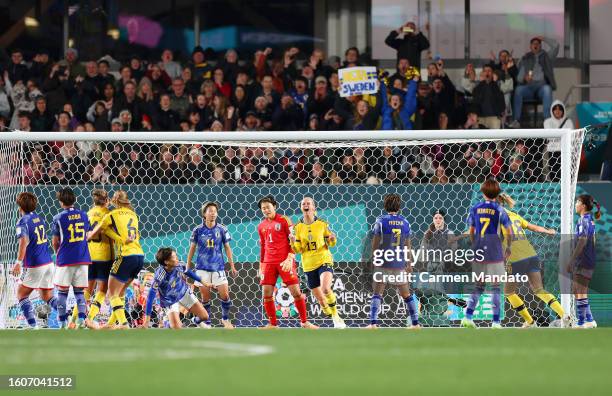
pixel 271 272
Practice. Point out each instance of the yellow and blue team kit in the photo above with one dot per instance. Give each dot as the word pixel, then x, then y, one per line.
pixel 523 258
pixel 119 225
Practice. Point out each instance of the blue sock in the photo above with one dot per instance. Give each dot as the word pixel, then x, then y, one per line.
pixel 473 302
pixel 207 308
pixel 411 306
pixel 581 309
pixel 225 308
pixel 196 320
pixel 588 315
pixel 81 303
pixel 496 304
pixel 52 302
pixel 375 308
pixel 62 296
pixel 26 308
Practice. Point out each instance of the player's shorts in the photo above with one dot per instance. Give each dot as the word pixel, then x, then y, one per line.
pixel 127 267
pixel 524 267
pixel 216 278
pixel 271 272
pixel 314 277
pixel 38 277
pixel 187 301
pixel 74 275
pixel 100 270
pixel 391 276
pixel 586 273
pixel 495 269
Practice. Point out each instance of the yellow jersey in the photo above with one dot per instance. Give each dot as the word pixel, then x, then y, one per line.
pixel 100 248
pixel 312 242
pixel 119 224
pixel 521 249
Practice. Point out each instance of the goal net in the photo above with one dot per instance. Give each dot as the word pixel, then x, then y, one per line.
pixel 168 176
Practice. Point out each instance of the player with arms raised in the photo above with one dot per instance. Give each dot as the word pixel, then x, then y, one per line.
pixel 171 284
pixel 69 229
pixel 312 238
pixel 33 255
pixel 277 259
pixel 389 232
pixel 582 261
pixel 121 225
pixel 210 239
pixel 486 220
pixel 525 261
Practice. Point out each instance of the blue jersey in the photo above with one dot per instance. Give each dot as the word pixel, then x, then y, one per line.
pixel 394 231
pixel 171 285
pixel 487 218
pixel 210 242
pixel 71 226
pixel 585 228
pixel 33 228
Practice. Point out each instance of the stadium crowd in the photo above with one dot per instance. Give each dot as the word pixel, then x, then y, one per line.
pixel 271 91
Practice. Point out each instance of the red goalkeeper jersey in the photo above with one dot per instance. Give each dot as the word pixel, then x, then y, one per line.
pixel 274 239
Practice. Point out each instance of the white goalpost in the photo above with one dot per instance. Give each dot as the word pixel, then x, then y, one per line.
pixel 169 175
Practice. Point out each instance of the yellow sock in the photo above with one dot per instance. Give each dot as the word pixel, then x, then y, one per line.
pixel 519 306
pixel 551 301
pixel 96 304
pixel 326 309
pixel 331 302
pixel 111 319
pixel 119 309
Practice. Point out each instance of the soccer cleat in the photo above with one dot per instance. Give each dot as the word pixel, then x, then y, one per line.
pixel 91 324
pixel 308 325
pixel 338 322
pixel 80 324
pixel 371 327
pixel 227 324
pixel 468 323
pixel 268 327
pixel 531 325
pixel 567 322
pixel 414 327
pixel 204 325
pixel 589 325
pixel 496 325
pixel 63 325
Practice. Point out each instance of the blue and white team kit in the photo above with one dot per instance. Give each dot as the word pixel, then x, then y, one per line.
pixel 37 265
pixel 72 262
pixel 487 218
pixel 210 264
pixel 172 288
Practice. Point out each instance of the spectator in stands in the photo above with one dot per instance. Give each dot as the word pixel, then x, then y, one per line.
pixel 104 73
pixel 223 87
pixel 505 64
pixel 167 64
pixel 472 119
pixel 5 103
pixel 179 100
pixel 41 66
pixel 159 79
pixel 468 81
pixel 536 77
pixel 558 120
pixel 229 64
pixel 200 69
pixel 440 176
pixel 63 122
pixel 299 92
pixel 42 119
pixel 98 114
pixel 489 98
pixel 116 125
pixel 137 68
pixel 410 45
pixel 17 68
pixel 166 119
pixel 146 94
pixel 129 101
pixel 24 121
pixel 71 61
pixel 399 108
pixel 197 171
pixel 351 57
pixel 321 101
pixel 288 116
pixel 515 174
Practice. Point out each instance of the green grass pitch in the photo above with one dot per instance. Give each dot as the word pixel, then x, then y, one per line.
pixel 327 362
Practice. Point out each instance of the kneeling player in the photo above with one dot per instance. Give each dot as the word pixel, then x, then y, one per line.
pixel 70 228
pixel 277 259
pixel 312 238
pixel 170 283
pixel 210 239
pixel 33 254
pixel 389 232
pixel 524 260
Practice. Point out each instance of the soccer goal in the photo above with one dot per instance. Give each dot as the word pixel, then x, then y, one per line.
pixel 168 176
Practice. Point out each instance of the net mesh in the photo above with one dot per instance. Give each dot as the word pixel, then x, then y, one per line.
pixel 168 182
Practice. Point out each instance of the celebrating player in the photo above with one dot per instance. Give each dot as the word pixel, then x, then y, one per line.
pixel 210 239
pixel 69 229
pixel 389 232
pixel 276 258
pixel 121 225
pixel 100 249
pixel 582 261
pixel 312 238
pixel 524 260
pixel 485 221
pixel 33 255
pixel 174 292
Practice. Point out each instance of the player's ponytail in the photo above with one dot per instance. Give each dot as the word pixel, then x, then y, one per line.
pixel 506 200
pixel 597 214
pixel 121 200
pixel 588 202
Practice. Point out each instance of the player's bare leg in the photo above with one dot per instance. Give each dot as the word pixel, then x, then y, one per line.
pixel 223 292
pixel 318 293
pixel 174 319
pixel 378 288
pixel 326 279
pixel 198 310
pixel 206 297
pixel 300 305
pixel 268 299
